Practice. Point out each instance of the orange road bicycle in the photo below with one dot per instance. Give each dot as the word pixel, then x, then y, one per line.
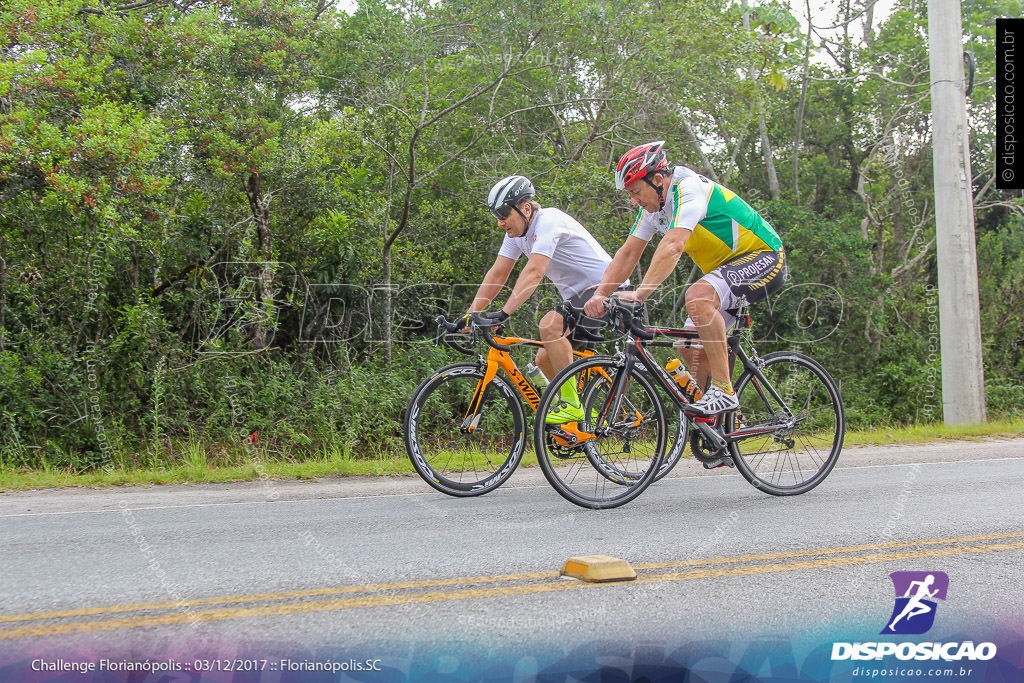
pixel 465 427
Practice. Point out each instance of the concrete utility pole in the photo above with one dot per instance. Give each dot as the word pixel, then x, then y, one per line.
pixel 963 375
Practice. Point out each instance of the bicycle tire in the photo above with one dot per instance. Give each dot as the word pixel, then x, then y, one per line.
pixel 674 454
pixel 592 480
pixel 819 421
pixel 450 460
pixel 680 432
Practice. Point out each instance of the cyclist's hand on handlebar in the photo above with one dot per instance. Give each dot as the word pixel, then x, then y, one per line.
pixel 492 319
pixel 495 317
pixel 627 296
pixel 595 306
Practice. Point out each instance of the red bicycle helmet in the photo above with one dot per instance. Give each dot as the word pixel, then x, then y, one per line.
pixel 638 163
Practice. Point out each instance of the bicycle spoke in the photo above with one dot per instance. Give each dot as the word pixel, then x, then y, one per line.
pixel 620 461
pixel 453 460
pixel 803 449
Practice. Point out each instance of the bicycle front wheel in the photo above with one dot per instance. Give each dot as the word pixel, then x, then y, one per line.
pixel 677 430
pixel 456 453
pixel 603 460
pixel 796 441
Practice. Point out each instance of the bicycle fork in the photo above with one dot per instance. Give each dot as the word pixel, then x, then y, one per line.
pixel 496 359
pixel 472 419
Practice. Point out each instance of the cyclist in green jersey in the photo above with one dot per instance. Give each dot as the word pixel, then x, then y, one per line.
pixel 739 252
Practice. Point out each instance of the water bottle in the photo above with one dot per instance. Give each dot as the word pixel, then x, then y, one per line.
pixel 536 376
pixel 684 379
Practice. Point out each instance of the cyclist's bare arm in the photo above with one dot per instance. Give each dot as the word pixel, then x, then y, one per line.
pixel 666 257
pixel 493 281
pixel 622 265
pixel 527 282
pixel 618 271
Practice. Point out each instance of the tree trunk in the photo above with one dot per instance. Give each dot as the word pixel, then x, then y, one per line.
pixel 3 287
pixel 388 242
pixel 766 151
pixel 705 162
pixel 805 78
pixel 387 308
pixel 133 274
pixel 869 19
pixel 260 206
pixel 766 147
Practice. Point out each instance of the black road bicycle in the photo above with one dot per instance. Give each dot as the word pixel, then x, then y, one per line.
pixel 784 439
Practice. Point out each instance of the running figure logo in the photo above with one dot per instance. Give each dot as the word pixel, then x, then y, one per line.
pixel 914 611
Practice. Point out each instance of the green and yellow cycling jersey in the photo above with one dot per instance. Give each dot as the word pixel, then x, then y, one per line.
pixel 723 225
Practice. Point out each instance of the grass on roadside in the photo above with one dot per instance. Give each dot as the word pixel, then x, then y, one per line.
pixel 193 463
pixel 929 433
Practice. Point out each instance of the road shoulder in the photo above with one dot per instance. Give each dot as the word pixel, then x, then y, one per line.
pixel 79 500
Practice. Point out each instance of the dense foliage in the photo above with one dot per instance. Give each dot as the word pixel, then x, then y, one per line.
pixel 219 216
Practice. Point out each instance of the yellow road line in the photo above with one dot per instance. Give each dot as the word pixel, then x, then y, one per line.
pixel 445 596
pixel 437 583
pixel 291 608
pixel 262 597
pixel 829 551
pixel 824 563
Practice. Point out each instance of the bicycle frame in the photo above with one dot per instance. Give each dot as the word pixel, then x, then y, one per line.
pixel 498 358
pixel 634 352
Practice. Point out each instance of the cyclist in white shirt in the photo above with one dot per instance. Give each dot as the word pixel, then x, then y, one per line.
pixel 555 245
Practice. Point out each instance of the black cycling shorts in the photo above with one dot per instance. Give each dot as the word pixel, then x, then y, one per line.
pixel 753 276
pixel 583 330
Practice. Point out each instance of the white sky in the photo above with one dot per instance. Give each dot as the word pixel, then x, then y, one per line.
pixel 823 11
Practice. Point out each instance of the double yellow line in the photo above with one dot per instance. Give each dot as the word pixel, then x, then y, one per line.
pixel 404 593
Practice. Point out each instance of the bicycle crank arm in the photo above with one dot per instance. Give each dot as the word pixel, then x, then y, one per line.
pixel 713 436
pixel 569 434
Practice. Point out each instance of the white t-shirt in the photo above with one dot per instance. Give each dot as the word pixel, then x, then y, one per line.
pixel 578 261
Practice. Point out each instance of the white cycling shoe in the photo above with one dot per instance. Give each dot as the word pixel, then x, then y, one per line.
pixel 714 402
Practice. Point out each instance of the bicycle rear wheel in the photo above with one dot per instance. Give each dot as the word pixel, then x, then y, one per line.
pixel 615 466
pixel 800 452
pixel 447 454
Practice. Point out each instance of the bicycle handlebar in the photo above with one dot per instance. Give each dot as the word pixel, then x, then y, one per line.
pixel 444 331
pixel 478 324
pixel 628 313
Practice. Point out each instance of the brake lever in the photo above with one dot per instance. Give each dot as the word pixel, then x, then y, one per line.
pixel 484 326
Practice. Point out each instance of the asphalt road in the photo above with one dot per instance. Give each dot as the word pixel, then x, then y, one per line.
pixel 388 568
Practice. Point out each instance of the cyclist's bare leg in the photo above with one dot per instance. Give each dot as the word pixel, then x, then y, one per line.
pixel 696 362
pixel 557 351
pixel 702 304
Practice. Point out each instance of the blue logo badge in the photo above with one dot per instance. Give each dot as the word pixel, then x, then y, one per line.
pixel 916 592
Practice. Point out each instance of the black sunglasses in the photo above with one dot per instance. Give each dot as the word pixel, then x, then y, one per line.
pixel 502 212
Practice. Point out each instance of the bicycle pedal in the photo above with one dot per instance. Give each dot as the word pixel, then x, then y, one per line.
pixel 568 434
pixel 720 462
